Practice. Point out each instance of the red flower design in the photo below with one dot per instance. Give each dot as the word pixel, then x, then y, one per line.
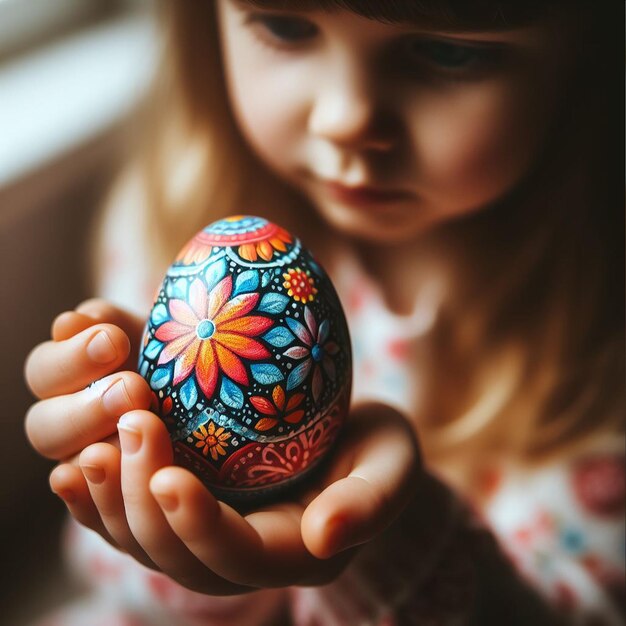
pixel 281 408
pixel 300 286
pixel 210 334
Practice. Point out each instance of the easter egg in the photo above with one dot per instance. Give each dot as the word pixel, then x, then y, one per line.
pixel 248 354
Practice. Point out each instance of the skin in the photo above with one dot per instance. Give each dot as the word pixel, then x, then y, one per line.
pixel 356 103
pixel 129 492
pixel 359 102
pixel 344 105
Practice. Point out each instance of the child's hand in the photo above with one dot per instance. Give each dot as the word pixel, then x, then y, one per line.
pixel 90 344
pixel 203 543
pixel 164 517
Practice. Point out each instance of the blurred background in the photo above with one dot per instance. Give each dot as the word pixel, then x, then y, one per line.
pixel 71 72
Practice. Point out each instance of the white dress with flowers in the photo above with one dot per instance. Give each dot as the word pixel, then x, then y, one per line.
pixel 556 534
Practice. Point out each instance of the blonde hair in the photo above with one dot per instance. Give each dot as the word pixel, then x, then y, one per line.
pixel 526 355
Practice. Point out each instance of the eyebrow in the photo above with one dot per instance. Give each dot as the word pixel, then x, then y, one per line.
pixel 447 16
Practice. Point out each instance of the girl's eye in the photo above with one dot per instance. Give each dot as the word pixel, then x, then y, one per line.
pixel 445 54
pixel 286 29
pixel 451 57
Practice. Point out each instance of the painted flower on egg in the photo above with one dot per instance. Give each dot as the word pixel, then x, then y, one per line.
pixel 211 333
pixel 300 286
pixel 279 407
pixel 316 353
pixel 248 355
pixel 267 239
pixel 212 440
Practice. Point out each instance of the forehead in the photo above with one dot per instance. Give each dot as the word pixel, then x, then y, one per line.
pixel 448 15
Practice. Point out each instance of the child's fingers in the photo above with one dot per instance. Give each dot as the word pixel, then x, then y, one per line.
pixel 384 473
pixel 263 549
pixel 146 448
pixel 70 323
pixel 103 311
pixel 212 530
pixel 100 464
pixel 55 368
pixel 59 427
pixel 68 482
pixel 95 311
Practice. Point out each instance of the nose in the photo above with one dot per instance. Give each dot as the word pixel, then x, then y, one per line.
pixel 345 113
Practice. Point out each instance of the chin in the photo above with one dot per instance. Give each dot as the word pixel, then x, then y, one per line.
pixel 385 227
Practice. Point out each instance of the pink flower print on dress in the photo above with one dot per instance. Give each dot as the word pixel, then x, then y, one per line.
pixel 599 484
pixel 209 334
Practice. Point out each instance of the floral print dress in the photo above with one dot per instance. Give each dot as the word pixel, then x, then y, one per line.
pixel 557 532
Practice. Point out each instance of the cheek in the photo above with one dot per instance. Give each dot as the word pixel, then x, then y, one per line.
pixel 267 119
pixel 474 147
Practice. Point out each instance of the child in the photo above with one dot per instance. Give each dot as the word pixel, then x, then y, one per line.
pixel 451 164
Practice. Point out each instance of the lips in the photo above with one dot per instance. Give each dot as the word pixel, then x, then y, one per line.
pixel 365 195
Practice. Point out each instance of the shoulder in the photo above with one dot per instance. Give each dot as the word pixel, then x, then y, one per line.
pixel 120 253
pixel 123 208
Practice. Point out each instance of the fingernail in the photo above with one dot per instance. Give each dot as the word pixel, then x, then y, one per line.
pixel 167 501
pixel 116 400
pixel 130 436
pixel 67 495
pixel 100 348
pixel 93 473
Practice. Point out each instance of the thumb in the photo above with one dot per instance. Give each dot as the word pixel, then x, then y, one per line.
pixel 383 472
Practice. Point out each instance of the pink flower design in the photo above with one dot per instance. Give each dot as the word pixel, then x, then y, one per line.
pixel 600 484
pixel 210 333
pixel 316 353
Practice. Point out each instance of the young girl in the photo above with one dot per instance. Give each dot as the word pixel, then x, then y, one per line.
pixel 453 167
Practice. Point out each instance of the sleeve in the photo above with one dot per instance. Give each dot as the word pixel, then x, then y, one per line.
pixel 460 567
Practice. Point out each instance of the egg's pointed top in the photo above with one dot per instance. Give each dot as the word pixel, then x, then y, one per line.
pixel 253 239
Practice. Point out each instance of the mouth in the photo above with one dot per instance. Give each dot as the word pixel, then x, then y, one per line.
pixel 365 196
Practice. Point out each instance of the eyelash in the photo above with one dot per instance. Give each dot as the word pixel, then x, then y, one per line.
pixel 267 29
pixel 438 55
pixel 457 60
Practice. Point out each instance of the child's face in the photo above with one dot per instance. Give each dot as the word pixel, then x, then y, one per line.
pixel 434 125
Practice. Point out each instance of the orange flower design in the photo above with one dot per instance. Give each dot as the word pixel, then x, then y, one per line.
pixel 212 440
pixel 265 248
pixel 279 408
pixel 196 250
pixel 210 334
pixel 259 238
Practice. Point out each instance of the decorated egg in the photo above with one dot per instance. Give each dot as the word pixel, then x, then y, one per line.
pixel 248 354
